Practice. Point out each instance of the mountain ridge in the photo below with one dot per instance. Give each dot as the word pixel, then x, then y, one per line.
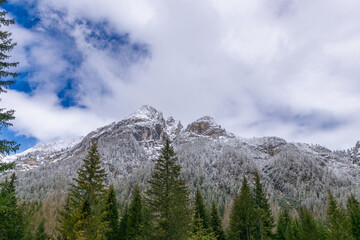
pixel 210 156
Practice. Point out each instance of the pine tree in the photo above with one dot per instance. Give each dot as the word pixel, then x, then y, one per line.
pixel 242 218
pixel 167 198
pixel 338 224
pixel 353 213
pixel 215 223
pixel 136 218
pixel 201 233
pixel 284 223
pixel 307 226
pixel 200 211
pixel 112 215
pixel 40 232
pixel 6 80
pixel 265 219
pixel 11 222
pixel 123 226
pixel 84 213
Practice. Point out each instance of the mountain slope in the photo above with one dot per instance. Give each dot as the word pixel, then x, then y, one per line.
pixel 211 157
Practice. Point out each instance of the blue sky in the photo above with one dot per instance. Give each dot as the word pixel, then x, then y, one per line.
pixel 260 68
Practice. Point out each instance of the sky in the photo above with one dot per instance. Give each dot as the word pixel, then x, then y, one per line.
pixel 286 68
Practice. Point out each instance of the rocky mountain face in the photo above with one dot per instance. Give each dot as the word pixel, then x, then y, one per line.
pixel 211 158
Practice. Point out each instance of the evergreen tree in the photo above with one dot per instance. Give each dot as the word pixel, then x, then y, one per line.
pixel 265 219
pixel 123 226
pixel 6 80
pixel 307 226
pixel 215 223
pixel 84 213
pixel 167 198
pixel 337 223
pixel 242 218
pixel 136 218
pixel 353 213
pixel 201 233
pixel 11 222
pixel 112 215
pixel 283 226
pixel 200 211
pixel 40 232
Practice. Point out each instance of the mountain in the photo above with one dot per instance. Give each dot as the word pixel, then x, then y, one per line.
pixel 210 156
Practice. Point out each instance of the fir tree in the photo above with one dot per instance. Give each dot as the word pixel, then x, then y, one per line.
pixel 265 219
pixel 353 213
pixel 201 233
pixel 40 232
pixel 123 226
pixel 6 80
pixel 307 226
pixel 167 198
pixel 200 211
pixel 136 218
pixel 242 218
pixel 283 226
pixel 84 212
pixel 11 222
pixel 215 223
pixel 112 215
pixel 337 223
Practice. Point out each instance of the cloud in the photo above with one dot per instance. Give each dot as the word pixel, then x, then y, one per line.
pixel 285 68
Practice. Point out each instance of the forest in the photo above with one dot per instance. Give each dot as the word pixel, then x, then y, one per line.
pixel 163 210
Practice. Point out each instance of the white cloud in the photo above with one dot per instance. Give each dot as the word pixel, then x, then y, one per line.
pixel 230 59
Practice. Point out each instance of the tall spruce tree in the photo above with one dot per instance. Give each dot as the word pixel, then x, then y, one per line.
pixel 123 226
pixel 168 198
pixel 353 213
pixel 337 222
pixel 308 229
pixel 284 223
pixel 200 212
pixel 11 222
pixel 136 217
pixel 112 215
pixel 264 217
pixel 215 223
pixel 84 213
pixel 6 80
pixel 242 218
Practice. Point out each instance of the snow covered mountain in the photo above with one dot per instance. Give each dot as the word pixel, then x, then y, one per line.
pixel 211 157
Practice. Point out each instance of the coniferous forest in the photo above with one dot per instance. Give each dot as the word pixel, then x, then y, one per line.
pixel 164 210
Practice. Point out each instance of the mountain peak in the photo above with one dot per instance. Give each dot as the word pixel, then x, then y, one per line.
pixel 206 126
pixel 147 112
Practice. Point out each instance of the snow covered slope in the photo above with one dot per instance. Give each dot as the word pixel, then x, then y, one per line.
pixel 211 157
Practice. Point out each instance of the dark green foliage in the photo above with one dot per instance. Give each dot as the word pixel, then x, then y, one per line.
pixel 243 218
pixel 11 222
pixel 112 215
pixel 84 213
pixel 167 198
pixel 215 223
pixel 337 222
pixel 6 45
pixel 123 226
pixel 264 217
pixel 200 212
pixel 353 213
pixel 136 218
pixel 40 232
pixel 283 226
pixel 308 229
